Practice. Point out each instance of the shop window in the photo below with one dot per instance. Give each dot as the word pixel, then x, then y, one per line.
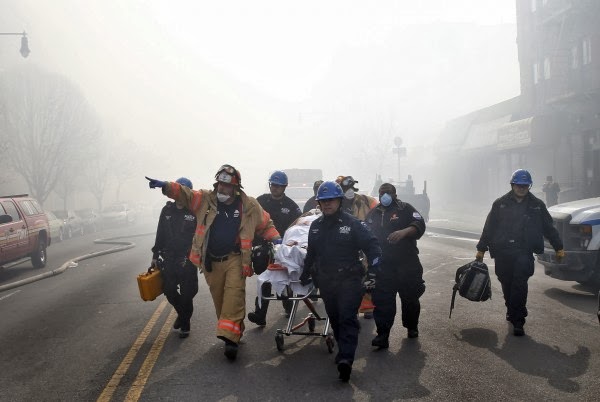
pixel 587 51
pixel 547 73
pixel 575 57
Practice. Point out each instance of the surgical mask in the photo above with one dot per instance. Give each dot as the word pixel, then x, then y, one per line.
pixel 223 197
pixel 349 194
pixel 386 200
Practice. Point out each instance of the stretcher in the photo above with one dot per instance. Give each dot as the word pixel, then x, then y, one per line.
pixel 284 275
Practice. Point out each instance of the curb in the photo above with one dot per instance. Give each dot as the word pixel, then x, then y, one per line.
pixel 124 245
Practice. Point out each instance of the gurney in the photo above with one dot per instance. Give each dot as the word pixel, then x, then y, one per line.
pixel 284 275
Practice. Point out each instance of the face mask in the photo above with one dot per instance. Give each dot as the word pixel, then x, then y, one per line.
pixel 386 200
pixel 223 197
pixel 349 194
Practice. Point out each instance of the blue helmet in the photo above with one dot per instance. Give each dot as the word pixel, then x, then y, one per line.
pixel 329 190
pixel 521 176
pixel 184 181
pixel 278 178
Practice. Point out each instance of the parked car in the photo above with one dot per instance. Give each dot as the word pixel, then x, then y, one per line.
pixel 73 223
pixel 91 219
pixel 57 227
pixel 118 215
pixel 24 230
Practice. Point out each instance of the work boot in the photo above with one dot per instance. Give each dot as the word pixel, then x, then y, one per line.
pixel 413 332
pixel 518 329
pixel 381 341
pixel 257 318
pixel 184 332
pixel 344 368
pixel 231 349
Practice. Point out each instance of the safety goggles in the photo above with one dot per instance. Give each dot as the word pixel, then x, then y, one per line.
pixel 227 168
pixel 348 181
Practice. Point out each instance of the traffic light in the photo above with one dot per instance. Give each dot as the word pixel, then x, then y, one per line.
pixel 24 46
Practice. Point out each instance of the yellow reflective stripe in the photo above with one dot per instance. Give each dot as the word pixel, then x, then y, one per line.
pixel 230 326
pixel 245 244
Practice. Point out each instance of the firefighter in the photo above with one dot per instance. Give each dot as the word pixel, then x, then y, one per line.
pixel 359 206
pixel 397 225
pixel 174 234
pixel 332 260
pixel 228 219
pixel 311 203
pixel 515 229
pixel 283 212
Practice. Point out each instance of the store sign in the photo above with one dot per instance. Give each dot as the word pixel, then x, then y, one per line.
pixel 515 135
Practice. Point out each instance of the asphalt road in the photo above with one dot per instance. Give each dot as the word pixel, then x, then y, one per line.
pixel 86 335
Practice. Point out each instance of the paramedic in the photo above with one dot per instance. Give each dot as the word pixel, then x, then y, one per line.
pixel 228 219
pixel 515 229
pixel 332 261
pixel 283 211
pixel 397 225
pixel 174 234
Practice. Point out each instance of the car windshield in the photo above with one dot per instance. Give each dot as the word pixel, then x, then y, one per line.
pixel 61 214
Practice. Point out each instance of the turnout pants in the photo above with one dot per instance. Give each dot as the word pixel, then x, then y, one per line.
pixel 513 272
pixel 179 272
pixel 228 290
pixel 410 287
pixel 342 293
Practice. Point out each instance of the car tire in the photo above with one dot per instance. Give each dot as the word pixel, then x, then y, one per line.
pixel 38 257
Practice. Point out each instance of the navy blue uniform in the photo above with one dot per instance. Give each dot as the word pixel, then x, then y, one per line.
pixel 513 231
pixel 332 259
pixel 401 271
pixel 176 228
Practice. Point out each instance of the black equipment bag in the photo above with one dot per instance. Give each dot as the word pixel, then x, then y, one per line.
pixel 262 256
pixel 472 282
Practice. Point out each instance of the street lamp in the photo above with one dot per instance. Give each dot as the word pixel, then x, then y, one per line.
pixel 400 151
pixel 24 42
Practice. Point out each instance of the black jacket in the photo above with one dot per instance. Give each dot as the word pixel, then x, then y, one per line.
pixel 175 231
pixel 283 213
pixel 334 243
pixel 518 227
pixel 385 220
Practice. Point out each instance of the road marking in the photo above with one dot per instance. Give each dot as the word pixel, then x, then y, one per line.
pixel 9 295
pixel 140 381
pixel 112 385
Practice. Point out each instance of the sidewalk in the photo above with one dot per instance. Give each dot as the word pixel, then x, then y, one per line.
pixel 467 221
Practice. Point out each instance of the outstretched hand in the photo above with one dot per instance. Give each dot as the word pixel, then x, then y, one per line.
pixel 153 183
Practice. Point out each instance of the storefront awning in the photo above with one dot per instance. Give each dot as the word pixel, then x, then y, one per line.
pixel 484 134
pixel 515 134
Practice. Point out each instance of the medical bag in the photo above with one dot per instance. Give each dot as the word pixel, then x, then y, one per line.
pixel 150 284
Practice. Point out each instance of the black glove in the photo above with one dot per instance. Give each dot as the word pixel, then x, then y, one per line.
pixel 305 278
pixel 369 282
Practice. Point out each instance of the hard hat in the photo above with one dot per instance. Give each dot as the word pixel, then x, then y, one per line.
pixel 230 175
pixel 278 178
pixel 328 190
pixel 184 181
pixel 316 184
pixel 521 176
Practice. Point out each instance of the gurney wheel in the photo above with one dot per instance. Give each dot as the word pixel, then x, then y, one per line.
pixel 330 343
pixel 311 324
pixel 279 341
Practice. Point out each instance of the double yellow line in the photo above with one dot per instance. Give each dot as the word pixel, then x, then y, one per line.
pixel 135 391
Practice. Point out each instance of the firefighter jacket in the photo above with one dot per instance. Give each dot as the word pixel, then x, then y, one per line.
pixel 203 204
pixel 399 215
pixel 513 227
pixel 334 243
pixel 359 206
pixel 175 231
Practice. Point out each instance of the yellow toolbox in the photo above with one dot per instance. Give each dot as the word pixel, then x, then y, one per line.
pixel 150 284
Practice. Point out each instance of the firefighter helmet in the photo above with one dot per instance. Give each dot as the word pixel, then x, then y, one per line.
pixel 230 175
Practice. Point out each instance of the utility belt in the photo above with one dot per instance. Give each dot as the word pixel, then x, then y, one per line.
pixel 215 258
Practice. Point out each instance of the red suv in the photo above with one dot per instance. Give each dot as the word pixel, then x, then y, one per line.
pixel 24 230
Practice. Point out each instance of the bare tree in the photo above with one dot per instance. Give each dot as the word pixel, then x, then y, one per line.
pixel 48 124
